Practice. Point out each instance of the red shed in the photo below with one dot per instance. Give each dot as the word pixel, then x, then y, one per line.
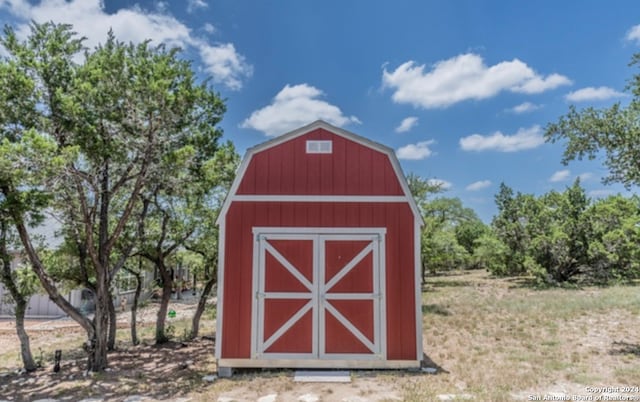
pixel 319 256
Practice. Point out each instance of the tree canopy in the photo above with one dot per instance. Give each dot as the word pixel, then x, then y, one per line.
pixel 613 131
pixel 90 140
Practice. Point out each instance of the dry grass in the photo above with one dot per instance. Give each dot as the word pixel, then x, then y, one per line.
pixel 497 339
pixel 494 339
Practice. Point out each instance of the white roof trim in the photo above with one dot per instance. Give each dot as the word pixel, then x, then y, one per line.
pixel 304 130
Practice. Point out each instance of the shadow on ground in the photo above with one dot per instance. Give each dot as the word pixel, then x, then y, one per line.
pixel 625 348
pixel 166 371
pixel 447 284
pixel 435 309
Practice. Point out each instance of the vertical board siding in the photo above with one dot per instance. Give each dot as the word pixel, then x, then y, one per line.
pixel 352 169
pixel 399 300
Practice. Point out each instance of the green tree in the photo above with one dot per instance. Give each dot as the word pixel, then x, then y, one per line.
pixel 174 210
pixel 559 233
pixel 449 231
pixel 612 131
pixel 490 253
pixel 106 125
pixel 442 251
pixel 446 222
pixel 422 189
pixel 614 251
pixel 18 100
pixel 510 228
pixel 468 231
pixel 564 237
pixel 21 284
pixel 221 172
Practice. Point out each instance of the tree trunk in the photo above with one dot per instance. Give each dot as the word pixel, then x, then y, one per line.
pixel 25 348
pixel 21 302
pixel 104 304
pixel 52 290
pixel 167 284
pixel 113 325
pixel 195 322
pixel 178 283
pixel 134 308
pixel 99 343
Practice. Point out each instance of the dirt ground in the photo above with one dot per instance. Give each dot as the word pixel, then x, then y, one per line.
pixel 489 339
pixel 176 371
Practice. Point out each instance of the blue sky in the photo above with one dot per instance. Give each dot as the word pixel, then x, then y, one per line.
pixel 461 90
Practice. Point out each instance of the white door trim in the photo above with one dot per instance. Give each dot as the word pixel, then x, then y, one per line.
pixel 318 296
pixel 285 231
pixel 259 345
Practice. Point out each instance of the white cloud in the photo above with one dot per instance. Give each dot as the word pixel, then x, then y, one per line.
pixel 593 94
pixel 444 185
pixel 134 24
pixel 415 151
pixel 585 176
pixel 407 124
pixel 162 6
pixel 464 77
pixel 560 175
pixel 479 185
pixel 193 5
pixel 524 108
pixel 295 106
pixel 538 84
pixel 634 34
pixel 209 28
pixel 224 62
pixel 524 138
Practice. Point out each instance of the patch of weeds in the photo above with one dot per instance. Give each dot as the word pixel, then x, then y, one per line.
pixel 435 309
pixel 625 348
pixel 520 357
pixel 499 394
pixel 449 283
pixel 555 365
pixel 584 378
pixel 211 312
pixel 628 375
pixel 414 391
pixel 186 335
pixel 550 343
pixel 575 357
pixel 39 359
pixel 170 331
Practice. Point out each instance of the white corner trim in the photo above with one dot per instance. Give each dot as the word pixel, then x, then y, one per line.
pixel 220 293
pixel 418 286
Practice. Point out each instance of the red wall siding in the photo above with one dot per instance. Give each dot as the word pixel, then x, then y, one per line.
pixel 400 281
pixel 352 169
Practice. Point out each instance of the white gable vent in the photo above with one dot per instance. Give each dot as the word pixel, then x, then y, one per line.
pixel 319 147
